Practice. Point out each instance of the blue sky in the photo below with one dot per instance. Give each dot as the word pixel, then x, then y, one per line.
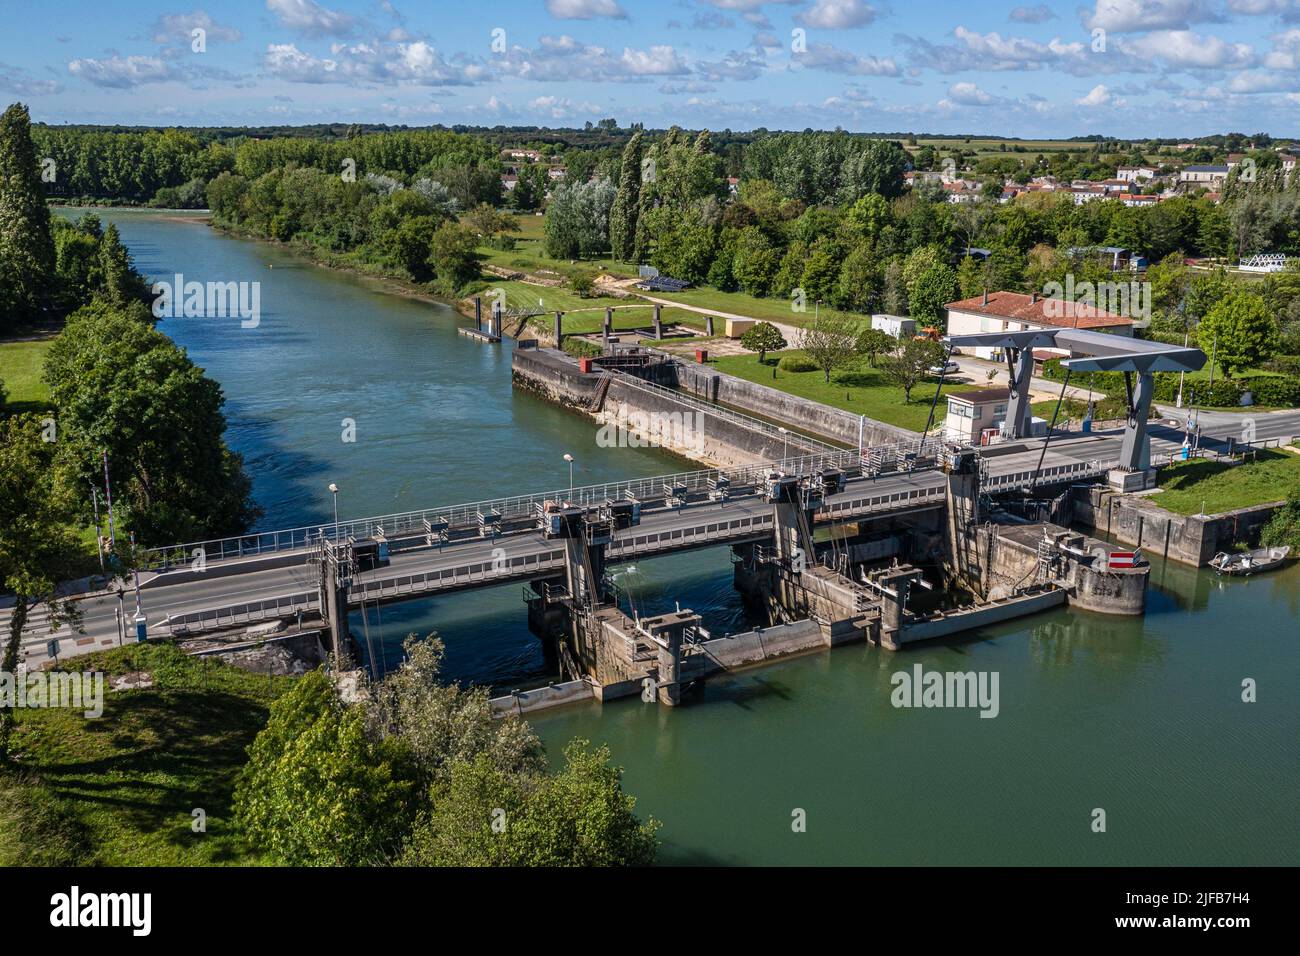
pixel 1127 68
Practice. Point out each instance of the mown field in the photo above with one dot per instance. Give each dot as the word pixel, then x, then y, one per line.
pixel 20 371
pixel 859 389
pixel 1209 487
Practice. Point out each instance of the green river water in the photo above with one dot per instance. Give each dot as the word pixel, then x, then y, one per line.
pixel 1142 718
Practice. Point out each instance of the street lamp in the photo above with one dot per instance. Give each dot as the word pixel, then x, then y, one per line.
pixel 569 459
pixel 334 490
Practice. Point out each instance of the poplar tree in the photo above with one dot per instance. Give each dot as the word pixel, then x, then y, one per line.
pixel 623 218
pixel 26 245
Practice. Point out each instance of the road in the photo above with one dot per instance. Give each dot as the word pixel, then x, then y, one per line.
pixel 529 554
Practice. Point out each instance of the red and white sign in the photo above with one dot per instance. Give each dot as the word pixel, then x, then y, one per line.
pixel 1124 559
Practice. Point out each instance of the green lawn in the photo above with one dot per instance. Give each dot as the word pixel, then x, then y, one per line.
pixel 529 255
pixel 20 371
pixel 120 790
pixel 626 318
pixel 741 303
pixel 1215 487
pixel 859 389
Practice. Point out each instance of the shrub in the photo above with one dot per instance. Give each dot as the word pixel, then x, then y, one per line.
pixel 796 363
pixel 581 348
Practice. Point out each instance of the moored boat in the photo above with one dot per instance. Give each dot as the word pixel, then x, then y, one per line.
pixel 1250 562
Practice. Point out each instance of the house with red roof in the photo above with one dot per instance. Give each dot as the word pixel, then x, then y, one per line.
pixel 1018 312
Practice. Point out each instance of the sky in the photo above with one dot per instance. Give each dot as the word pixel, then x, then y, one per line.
pixel 1125 68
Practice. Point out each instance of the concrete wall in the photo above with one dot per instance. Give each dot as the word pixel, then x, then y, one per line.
pixel 1139 521
pixel 955 622
pixel 709 439
pixel 554 695
pixel 770 403
pixel 1013 563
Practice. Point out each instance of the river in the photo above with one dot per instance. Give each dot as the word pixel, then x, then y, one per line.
pixel 1140 718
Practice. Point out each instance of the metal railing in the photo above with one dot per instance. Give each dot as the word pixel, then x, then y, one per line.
pixel 465 516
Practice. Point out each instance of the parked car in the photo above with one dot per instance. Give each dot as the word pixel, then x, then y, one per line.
pixel 951 368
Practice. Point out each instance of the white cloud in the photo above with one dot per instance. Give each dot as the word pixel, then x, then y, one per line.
pixel 1182 49
pixel 123 72
pixel 416 63
pixel 585 9
pixel 15 80
pixel 564 59
pixel 660 60
pixel 178 26
pixel 968 94
pixel 1097 96
pixel 838 14
pixel 309 17
pixel 823 56
pixel 1038 14
pixel 1136 16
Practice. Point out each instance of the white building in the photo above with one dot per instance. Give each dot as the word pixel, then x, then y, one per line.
pixel 1204 175
pixel 1136 174
pixel 1017 312
pixel 896 325
pixel 973 417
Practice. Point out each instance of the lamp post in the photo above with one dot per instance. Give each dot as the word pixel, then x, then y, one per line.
pixel 334 490
pixel 569 458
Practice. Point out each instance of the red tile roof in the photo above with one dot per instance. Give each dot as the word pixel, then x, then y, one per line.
pixel 1022 308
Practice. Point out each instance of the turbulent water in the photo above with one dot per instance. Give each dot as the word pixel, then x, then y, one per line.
pixel 1140 718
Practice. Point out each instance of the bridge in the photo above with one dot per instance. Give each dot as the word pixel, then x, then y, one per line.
pixel 214 585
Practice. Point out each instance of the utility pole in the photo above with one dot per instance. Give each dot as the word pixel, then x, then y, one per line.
pixel 108 491
pixel 99 539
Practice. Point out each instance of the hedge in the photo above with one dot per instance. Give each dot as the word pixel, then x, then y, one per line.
pixel 1274 390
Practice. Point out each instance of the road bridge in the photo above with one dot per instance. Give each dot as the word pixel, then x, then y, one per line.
pixel 214 585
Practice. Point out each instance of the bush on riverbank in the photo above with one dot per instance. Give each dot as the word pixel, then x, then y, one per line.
pixel 420 772
pixel 1269 389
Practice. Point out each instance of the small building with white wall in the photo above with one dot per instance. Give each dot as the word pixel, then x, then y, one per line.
pixel 899 326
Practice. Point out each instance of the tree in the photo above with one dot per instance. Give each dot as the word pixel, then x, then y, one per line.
pixel 483 816
pixel 453 255
pixel 26 245
pixel 763 338
pixel 627 201
pixel 487 222
pixel 932 290
pixel 910 361
pixel 577 220
pixel 443 724
pixel 1240 332
pixel 37 547
pixel 874 342
pixel 124 388
pixel 756 261
pixel 316 791
pixel 830 340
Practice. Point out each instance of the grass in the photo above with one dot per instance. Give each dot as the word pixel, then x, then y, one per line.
pixel 524 295
pixel 859 389
pixel 529 254
pixel 740 303
pixel 20 371
pixel 1190 486
pixel 626 318
pixel 120 790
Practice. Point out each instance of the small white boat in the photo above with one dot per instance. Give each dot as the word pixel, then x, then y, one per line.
pixel 1249 562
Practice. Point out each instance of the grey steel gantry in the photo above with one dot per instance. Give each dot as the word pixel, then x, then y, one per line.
pixel 1138 359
